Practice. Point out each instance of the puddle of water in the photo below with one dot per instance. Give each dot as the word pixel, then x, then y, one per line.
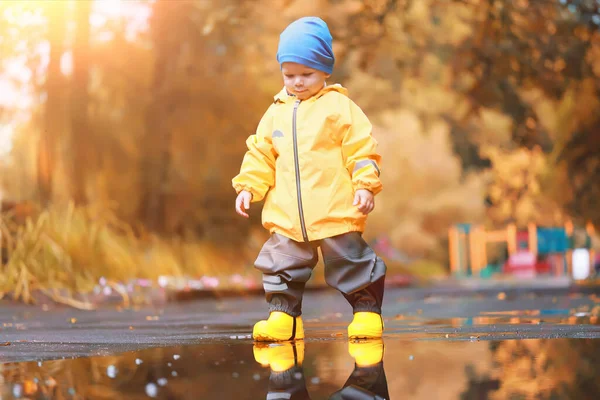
pixel 582 316
pixel 540 368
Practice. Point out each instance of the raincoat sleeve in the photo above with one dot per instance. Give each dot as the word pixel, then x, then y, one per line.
pixel 359 151
pixel 257 173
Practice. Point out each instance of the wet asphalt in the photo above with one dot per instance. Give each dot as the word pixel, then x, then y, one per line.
pixel 437 344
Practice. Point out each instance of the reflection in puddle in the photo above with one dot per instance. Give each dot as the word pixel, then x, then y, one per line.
pixel 287 380
pixel 540 368
pixel 510 317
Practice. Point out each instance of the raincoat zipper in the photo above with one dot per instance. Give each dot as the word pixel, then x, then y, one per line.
pixel 297 165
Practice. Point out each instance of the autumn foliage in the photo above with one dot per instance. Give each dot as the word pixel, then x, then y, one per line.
pixel 486 111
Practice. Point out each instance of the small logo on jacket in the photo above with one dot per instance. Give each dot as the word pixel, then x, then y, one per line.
pixel 276 134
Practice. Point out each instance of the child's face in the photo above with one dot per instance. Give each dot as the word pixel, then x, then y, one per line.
pixel 302 81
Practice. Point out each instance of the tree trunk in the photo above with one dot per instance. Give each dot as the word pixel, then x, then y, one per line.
pixel 157 155
pixel 53 114
pixel 80 130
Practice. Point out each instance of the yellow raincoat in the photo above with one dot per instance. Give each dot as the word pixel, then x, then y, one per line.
pixel 308 158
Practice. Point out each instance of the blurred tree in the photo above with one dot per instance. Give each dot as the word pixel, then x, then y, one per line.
pixel 425 198
pixel 81 149
pixel 577 176
pixel 519 44
pixel 203 103
pixel 514 193
pixel 167 26
pixel 54 109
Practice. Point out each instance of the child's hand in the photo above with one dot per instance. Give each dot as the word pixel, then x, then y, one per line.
pixel 242 203
pixel 364 200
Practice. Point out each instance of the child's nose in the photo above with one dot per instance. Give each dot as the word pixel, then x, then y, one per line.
pixel 299 82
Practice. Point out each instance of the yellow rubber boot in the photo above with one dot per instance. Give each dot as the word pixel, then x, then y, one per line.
pixel 366 353
pixel 279 356
pixel 366 325
pixel 279 327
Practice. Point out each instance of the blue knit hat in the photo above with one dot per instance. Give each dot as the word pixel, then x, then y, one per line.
pixel 307 41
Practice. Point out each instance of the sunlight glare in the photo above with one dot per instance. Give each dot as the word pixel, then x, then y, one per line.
pixel 110 8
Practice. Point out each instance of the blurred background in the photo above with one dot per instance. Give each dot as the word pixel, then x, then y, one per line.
pixel 122 123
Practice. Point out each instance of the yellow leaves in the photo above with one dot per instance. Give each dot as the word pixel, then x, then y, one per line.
pixel 588 103
pixel 426 189
pixel 353 7
pixel 493 129
pixel 516 186
pixel 559 65
pixel 495 193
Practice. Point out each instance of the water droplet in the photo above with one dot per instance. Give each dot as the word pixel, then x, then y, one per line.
pixel 111 371
pixel 138 361
pixel 315 380
pixel 411 357
pixel 233 337
pixel 39 363
pixel 162 381
pixel 151 390
pixel 235 375
pixel 298 376
pixel 174 373
pixel 169 364
pixel 256 377
pixel 72 391
pixel 176 357
pixel 242 336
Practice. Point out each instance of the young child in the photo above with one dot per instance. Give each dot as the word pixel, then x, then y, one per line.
pixel 314 161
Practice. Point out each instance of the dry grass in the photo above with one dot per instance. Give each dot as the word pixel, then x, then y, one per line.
pixel 63 252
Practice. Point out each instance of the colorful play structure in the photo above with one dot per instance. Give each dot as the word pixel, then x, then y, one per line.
pixel 536 249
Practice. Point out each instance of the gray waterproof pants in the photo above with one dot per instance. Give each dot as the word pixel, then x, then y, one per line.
pixel 351 266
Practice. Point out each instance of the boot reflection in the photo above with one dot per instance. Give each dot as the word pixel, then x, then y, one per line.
pixel 367 381
pixel 287 376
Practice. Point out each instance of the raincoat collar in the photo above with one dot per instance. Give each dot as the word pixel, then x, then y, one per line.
pixel 283 96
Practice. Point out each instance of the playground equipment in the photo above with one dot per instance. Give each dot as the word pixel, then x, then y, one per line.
pixel 468 245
